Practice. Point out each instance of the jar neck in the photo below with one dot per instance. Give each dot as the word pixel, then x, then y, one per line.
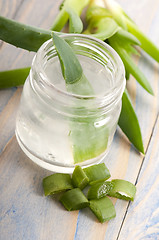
pixel 74 104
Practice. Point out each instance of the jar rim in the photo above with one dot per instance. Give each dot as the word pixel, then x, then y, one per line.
pixel 116 91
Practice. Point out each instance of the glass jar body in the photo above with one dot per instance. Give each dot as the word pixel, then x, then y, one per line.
pixel 56 135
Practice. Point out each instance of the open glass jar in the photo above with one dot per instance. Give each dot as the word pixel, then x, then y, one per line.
pixel 58 129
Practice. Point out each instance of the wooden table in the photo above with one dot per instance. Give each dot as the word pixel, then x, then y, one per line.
pixel 25 214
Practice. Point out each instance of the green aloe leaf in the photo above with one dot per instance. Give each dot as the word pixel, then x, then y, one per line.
pixel 129 124
pixel 87 141
pixel 71 9
pixel 130 65
pixel 102 28
pixel 70 65
pixel 22 35
pixel 146 44
pixel 75 23
pixel 96 12
pixel 126 23
pixel 14 77
pixel 127 37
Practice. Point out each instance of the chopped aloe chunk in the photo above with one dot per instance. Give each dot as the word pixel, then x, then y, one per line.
pixel 74 200
pixel 99 190
pixel 97 173
pixel 79 178
pixel 123 189
pixel 103 208
pixel 57 183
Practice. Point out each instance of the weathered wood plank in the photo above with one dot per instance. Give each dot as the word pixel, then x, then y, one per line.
pixel 7 119
pixel 9 8
pixel 142 219
pixel 25 213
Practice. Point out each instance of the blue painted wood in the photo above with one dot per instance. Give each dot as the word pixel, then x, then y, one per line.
pixel 142 219
pixel 25 213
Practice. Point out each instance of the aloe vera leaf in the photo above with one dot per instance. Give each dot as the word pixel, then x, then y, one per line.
pixel 127 37
pixel 130 65
pixel 21 35
pixel 83 148
pixel 96 12
pixel 14 77
pixel 129 124
pixel 84 145
pixel 131 49
pixel 125 21
pixel 75 23
pixel 146 44
pixel 116 12
pixel 70 65
pixel 127 74
pixel 88 141
pixel 102 28
pixel 60 20
pixel 75 6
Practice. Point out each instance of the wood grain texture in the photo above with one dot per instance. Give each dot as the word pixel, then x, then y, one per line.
pixel 24 212
pixel 10 8
pixel 142 219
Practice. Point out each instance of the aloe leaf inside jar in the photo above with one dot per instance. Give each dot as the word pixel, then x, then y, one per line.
pixel 86 81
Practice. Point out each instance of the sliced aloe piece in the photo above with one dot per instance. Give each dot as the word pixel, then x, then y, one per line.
pixel 79 178
pixel 97 173
pixel 74 199
pixel 103 208
pixel 57 183
pixel 122 189
pixel 99 190
pixel 129 124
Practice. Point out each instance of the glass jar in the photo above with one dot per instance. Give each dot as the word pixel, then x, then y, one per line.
pixel 58 129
